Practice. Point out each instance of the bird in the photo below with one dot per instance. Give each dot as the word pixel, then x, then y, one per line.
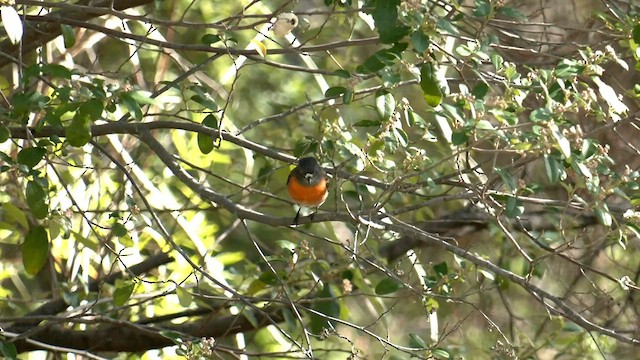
pixel 307 185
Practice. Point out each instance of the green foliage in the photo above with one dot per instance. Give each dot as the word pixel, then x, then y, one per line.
pixel 35 250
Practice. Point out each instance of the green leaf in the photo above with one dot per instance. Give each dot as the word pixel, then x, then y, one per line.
pixel 507 178
pixel 119 229
pixel 206 101
pixel 416 341
pixel 5 134
pixel 540 114
pixel 385 104
pixel 385 16
pixel 387 286
pixel 635 34
pixel 132 106
pixel 497 61
pixel 447 26
pixel 569 68
pixel 420 41
pixel 123 291
pixel 459 138
pixel 347 97
pixel 429 85
pixel 440 353
pixel 554 169
pixel 16 214
pixel 368 123
pixel 31 156
pixel 184 297
pixel 210 39
pixel 78 133
pixel 206 143
pixel 480 90
pixel 511 12
pixel 513 207
pixel 174 336
pixel 335 91
pixel 342 73
pixel 604 215
pixel 8 350
pixel 56 70
pixel 93 108
pixel 268 278
pixel 482 8
pixel 35 250
pixel 441 268
pixel 325 303
pixel 68 35
pixel 563 142
pixel 37 200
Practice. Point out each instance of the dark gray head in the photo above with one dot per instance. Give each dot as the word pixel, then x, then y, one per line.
pixel 310 170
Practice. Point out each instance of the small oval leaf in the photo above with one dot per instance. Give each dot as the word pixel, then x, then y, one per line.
pixel 68 35
pixel 78 133
pixel 31 156
pixel 335 91
pixel 429 85
pixel 387 286
pixel 35 250
pixel 206 142
pixel 123 291
pixel 37 200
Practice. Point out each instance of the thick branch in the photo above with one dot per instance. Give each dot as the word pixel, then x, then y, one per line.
pixel 126 337
pixel 57 306
pixel 37 34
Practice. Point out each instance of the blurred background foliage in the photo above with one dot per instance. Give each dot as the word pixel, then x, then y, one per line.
pixel 484 178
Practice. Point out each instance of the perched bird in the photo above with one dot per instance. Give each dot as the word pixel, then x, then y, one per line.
pixel 284 24
pixel 307 184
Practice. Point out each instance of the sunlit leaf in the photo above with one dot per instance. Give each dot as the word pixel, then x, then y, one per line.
pixel 429 85
pixel 563 143
pixel 440 353
pixel 553 168
pixel 385 105
pixel 123 291
pixel 184 297
pixel 604 215
pixel 12 23
pixel 35 250
pixel 260 48
pixel 68 35
pixel 37 200
pixel 78 133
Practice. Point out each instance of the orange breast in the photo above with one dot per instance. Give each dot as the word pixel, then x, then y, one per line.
pixel 310 196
